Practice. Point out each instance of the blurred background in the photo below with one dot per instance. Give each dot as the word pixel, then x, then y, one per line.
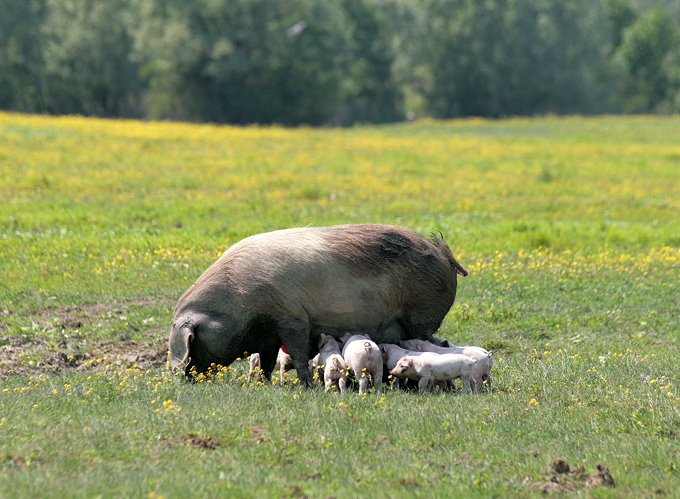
pixel 338 62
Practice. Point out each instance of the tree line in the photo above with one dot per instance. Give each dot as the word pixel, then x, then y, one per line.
pixel 338 62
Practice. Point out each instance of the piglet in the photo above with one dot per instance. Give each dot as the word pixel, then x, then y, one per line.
pixel 255 369
pixel 429 369
pixel 334 368
pixel 284 363
pixel 363 357
pixel 392 353
pixel 482 373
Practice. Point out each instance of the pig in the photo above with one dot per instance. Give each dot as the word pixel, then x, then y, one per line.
pixel 393 353
pixel 286 287
pixel 334 367
pixel 482 371
pixel 362 356
pixel 428 369
pixel 284 363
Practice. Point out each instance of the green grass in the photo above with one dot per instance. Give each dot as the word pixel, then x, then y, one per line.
pixel 570 228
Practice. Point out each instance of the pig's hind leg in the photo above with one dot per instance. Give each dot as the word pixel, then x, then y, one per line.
pixel 363 383
pixel 377 379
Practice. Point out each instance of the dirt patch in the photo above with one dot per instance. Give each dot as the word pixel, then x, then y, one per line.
pixel 198 441
pixel 72 317
pixel 68 343
pixel 309 476
pixel 143 354
pixel 36 358
pixel 563 478
pixel 294 490
pixel 260 434
pixel 9 460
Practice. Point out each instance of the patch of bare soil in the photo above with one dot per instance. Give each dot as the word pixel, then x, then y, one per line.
pixel 74 351
pixel 294 490
pixel 563 478
pixel 259 434
pixel 73 317
pixel 198 441
pixel 36 358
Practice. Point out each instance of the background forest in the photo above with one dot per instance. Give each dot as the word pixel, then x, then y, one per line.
pixel 324 62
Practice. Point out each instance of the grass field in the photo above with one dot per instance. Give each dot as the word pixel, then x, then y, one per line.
pixel 570 228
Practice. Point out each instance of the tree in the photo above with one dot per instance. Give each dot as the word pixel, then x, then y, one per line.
pixel 650 49
pixel 21 63
pixel 245 61
pixel 621 15
pixel 493 57
pixel 88 58
pixel 371 93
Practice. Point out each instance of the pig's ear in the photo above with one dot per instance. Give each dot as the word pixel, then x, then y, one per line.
pixel 178 348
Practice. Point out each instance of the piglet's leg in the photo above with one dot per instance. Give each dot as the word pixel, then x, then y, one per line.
pixel 377 379
pixel 466 383
pixel 424 384
pixel 363 383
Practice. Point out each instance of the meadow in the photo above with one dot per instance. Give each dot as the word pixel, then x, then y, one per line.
pixel 569 226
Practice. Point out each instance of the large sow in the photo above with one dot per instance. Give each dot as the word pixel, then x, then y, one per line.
pixel 288 286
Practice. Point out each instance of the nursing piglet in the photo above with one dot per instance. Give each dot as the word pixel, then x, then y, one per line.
pixel 429 369
pixel 363 357
pixel 482 373
pixel 334 368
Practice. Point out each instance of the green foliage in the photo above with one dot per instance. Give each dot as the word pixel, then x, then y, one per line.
pixel 371 93
pixel 89 65
pixel 338 63
pixel 246 61
pixel 21 74
pixel 490 58
pixel 621 16
pixel 651 49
